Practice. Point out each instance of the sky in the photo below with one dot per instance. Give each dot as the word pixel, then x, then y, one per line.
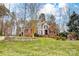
pixel 61 11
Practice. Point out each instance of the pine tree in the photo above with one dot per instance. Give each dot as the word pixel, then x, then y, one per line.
pixel 74 23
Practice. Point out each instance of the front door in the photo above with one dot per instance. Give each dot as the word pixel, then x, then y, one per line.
pixel 46 32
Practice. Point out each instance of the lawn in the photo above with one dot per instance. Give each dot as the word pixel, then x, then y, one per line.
pixel 40 47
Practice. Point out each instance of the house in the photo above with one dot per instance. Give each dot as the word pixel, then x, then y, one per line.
pixel 24 29
pixel 53 29
pixel 42 28
pixel 8 31
pixel 47 29
pixel 28 32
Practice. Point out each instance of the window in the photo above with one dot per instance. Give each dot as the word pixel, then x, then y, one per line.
pixel 45 26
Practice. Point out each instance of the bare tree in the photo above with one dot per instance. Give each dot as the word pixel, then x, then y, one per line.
pixel 3 11
pixel 32 10
pixel 52 17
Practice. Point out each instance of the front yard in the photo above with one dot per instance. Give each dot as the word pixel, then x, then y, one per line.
pixel 40 47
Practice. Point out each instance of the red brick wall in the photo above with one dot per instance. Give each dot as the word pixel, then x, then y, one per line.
pixel 28 32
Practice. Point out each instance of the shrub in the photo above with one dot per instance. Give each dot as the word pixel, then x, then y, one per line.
pixel 63 34
pixel 57 37
pixel 36 35
pixel 0 33
pixel 72 36
pixel 63 38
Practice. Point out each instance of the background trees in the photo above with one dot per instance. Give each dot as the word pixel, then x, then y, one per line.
pixel 73 26
pixel 52 17
pixel 42 17
pixel 32 10
pixel 3 11
pixel 74 23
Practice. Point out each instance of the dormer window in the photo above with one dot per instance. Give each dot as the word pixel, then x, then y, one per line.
pixel 45 26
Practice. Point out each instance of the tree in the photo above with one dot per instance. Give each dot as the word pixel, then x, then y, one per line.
pixel 28 11
pixel 32 24
pixel 13 23
pixel 42 17
pixel 52 17
pixel 53 26
pixel 32 11
pixel 3 11
pixel 74 23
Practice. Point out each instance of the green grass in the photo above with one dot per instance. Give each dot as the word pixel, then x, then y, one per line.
pixel 40 47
